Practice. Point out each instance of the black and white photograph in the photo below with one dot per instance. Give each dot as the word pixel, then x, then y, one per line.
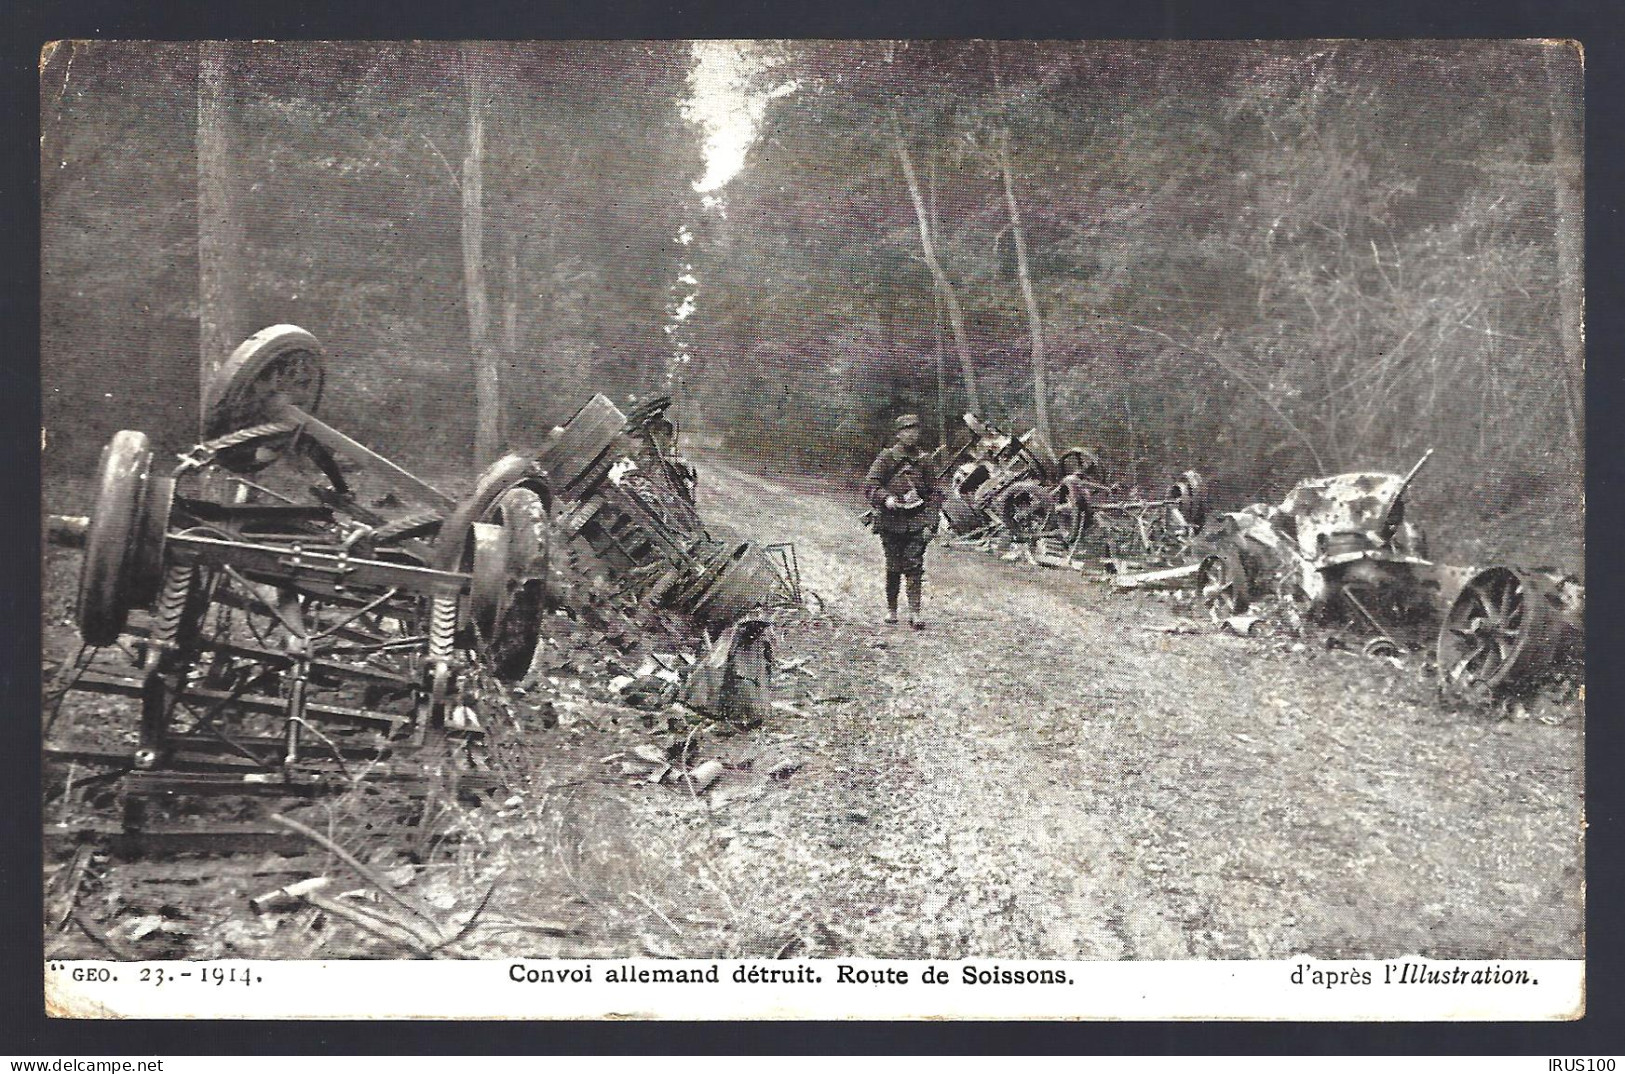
pixel 830 505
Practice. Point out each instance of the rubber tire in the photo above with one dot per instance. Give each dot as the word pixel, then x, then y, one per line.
pixel 104 575
pixel 151 536
pixel 497 479
pixel 1235 570
pixel 234 402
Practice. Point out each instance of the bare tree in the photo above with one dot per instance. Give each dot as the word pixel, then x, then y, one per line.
pixel 1567 173
pixel 219 230
pixel 489 434
pixel 956 315
pixel 1035 319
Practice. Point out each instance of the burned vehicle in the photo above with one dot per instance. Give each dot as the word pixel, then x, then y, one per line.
pixel 628 504
pixel 294 613
pixel 1006 487
pixel 1339 551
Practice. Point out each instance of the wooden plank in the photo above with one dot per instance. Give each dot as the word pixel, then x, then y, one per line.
pixel 333 440
pixel 586 436
pixel 1163 579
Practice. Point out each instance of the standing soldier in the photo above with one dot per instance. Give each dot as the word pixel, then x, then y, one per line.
pixel 902 490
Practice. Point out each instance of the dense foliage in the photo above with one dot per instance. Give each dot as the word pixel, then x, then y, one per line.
pixel 1262 260
pixel 1267 261
pixel 345 178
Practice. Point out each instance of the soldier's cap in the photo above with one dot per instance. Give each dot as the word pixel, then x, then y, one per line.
pixel 906 421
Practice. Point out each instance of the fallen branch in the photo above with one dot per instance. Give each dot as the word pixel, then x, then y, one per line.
pixel 289 896
pixel 392 931
pixel 366 873
pixel 657 912
pixel 1156 579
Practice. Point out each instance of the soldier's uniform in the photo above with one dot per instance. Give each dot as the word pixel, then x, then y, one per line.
pixel 902 490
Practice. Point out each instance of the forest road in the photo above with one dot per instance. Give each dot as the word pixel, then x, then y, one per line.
pixel 1045 773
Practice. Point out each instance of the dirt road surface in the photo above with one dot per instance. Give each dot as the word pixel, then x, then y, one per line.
pixel 1044 773
pixel 1047 772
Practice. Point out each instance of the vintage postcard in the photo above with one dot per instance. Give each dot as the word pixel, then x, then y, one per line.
pixel 798 529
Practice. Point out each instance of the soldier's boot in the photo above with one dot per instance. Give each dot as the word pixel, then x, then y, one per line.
pixel 894 585
pixel 915 619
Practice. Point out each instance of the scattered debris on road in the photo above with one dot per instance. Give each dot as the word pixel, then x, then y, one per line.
pixel 1338 551
pixel 1017 496
pixel 297 615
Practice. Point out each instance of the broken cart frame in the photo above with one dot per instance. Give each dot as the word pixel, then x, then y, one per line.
pixel 284 637
pixel 1017 487
pixel 1340 549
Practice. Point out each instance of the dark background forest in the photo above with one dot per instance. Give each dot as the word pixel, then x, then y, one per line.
pixel 1266 261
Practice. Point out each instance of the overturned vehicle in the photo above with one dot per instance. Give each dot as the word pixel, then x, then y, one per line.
pixel 1339 550
pixel 293 612
pixel 1001 486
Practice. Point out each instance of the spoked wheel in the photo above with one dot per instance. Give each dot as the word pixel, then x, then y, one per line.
pixel 114 551
pixel 1501 630
pixel 1027 509
pixel 1072 507
pixel 282 360
pixel 1222 582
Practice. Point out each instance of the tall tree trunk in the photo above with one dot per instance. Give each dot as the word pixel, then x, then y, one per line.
pixel 1568 204
pixel 1035 320
pixel 942 374
pixel 510 310
pixel 956 316
pixel 488 430
pixel 219 231
pixel 940 345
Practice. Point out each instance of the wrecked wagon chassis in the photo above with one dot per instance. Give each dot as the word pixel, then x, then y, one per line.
pixel 1340 550
pixel 289 638
pixel 1017 487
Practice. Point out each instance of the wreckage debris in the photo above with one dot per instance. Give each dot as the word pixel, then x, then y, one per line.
pixel 1339 550
pixel 292 624
pixel 1056 509
pixel 1336 550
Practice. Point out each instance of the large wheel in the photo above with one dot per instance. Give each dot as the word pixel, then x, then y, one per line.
pixel 1026 508
pixel 523 516
pixel 1223 584
pixel 1073 508
pixel 1503 630
pixel 280 360
pixel 105 583
pixel 962 517
pixel 497 479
